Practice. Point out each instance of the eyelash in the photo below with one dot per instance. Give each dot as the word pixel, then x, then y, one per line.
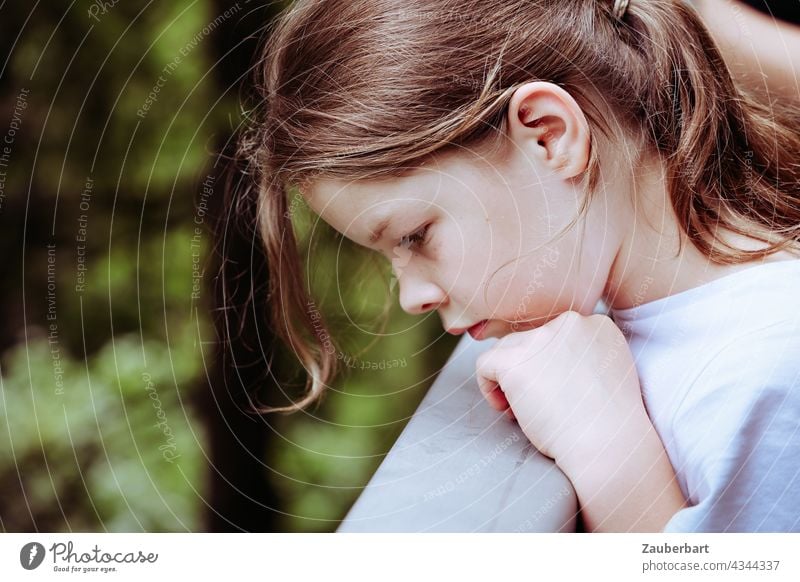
pixel 416 238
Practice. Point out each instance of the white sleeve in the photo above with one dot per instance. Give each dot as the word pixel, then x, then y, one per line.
pixel 742 452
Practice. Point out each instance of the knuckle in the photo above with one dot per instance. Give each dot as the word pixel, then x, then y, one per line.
pixel 602 322
pixel 598 318
pixel 549 329
pixel 507 340
pixel 484 359
pixel 570 315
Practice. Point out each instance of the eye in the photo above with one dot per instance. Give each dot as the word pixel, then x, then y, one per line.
pixel 415 239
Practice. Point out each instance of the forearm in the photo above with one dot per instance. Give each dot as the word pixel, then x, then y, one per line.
pixel 762 52
pixel 628 484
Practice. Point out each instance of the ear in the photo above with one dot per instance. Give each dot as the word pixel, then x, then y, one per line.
pixel 544 119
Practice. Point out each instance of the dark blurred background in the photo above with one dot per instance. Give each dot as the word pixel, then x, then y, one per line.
pixel 132 333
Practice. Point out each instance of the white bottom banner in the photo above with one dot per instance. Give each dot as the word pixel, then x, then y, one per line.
pixel 355 557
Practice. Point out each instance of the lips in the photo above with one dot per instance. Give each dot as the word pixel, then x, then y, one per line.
pixel 476 331
pixel 456 330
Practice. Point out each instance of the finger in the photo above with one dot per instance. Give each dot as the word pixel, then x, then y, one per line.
pixel 487 366
pixel 497 399
pixel 493 393
pixel 488 383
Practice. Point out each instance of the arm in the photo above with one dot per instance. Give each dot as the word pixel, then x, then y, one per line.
pixel 762 52
pixel 573 388
pixel 627 485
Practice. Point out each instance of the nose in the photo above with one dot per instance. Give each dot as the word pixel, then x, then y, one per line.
pixel 418 295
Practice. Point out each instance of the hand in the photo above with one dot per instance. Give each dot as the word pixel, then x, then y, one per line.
pixel 573 387
pixel 570 383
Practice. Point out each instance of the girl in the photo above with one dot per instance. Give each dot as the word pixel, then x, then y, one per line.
pixel 518 161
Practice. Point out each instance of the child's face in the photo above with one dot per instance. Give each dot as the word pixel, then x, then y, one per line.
pixel 482 219
pixel 476 238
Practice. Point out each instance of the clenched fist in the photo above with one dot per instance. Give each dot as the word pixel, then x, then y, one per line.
pixel 572 386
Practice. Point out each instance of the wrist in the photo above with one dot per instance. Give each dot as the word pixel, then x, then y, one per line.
pixel 625 481
pixel 606 444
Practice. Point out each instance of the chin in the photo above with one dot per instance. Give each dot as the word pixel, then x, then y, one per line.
pixel 496 333
pixel 523 326
pixel 496 329
pixel 499 328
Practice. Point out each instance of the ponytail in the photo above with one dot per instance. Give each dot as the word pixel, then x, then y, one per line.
pixel 731 162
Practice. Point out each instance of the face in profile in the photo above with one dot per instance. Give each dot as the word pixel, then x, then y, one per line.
pixel 475 239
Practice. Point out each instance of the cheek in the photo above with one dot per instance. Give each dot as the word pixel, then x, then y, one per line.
pixel 539 285
pixel 464 259
pixel 556 276
pixel 534 288
pixel 466 271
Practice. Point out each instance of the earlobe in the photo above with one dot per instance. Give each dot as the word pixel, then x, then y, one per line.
pixel 546 119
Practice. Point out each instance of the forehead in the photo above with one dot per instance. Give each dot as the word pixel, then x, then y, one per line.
pixel 322 192
pixel 340 202
pixel 442 172
pixel 356 208
pixel 325 194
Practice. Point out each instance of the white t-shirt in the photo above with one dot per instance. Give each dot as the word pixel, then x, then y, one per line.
pixel 719 367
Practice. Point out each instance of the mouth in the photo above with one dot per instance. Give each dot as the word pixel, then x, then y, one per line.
pixel 477 330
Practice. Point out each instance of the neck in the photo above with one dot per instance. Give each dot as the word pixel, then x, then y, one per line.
pixel 655 258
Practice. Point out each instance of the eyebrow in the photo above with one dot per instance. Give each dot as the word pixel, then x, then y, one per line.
pixel 377 233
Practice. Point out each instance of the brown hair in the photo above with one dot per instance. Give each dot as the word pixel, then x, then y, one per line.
pixel 355 89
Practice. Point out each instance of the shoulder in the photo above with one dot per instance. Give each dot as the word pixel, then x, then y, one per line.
pixel 757 363
pixel 735 430
pixel 747 393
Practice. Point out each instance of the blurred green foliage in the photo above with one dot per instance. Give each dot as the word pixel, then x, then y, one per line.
pixel 85 405
pixel 333 451
pixel 95 452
